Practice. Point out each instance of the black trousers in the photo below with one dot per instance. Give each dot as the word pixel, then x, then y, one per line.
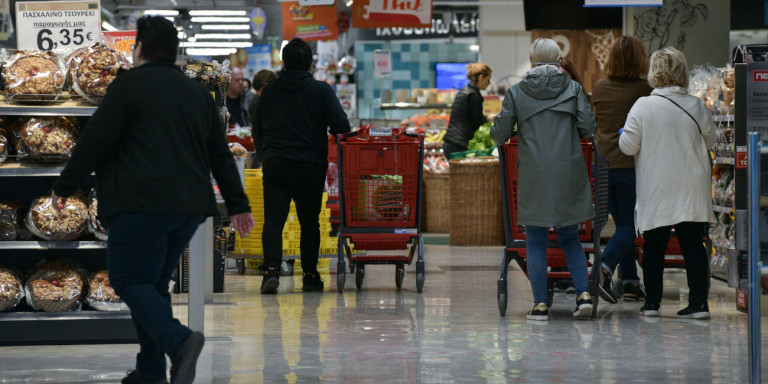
pixel 689 234
pixel 304 183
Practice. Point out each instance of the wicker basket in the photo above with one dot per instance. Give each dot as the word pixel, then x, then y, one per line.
pixel 476 213
pixel 437 202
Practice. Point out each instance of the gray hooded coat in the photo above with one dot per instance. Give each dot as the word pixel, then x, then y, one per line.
pixel 552 115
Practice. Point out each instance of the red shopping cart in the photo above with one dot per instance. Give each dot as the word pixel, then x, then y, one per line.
pixel 332 180
pixel 589 232
pixel 380 180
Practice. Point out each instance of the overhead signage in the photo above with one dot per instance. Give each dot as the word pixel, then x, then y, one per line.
pixel 391 13
pixel 757 98
pixel 623 3
pixel 318 22
pixel 452 22
pixel 57 25
pixel 258 21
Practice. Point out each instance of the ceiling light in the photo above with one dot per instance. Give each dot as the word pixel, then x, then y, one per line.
pixel 161 12
pixel 210 51
pixel 211 36
pixel 220 19
pixel 217 13
pixel 191 39
pixel 474 48
pixel 220 44
pixel 221 27
pixel 108 26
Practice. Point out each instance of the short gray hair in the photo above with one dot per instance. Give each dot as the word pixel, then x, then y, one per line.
pixel 668 68
pixel 544 51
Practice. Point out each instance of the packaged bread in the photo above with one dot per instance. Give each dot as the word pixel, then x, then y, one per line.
pixel 101 296
pixel 93 69
pixel 54 286
pixel 44 138
pixel 11 217
pixel 11 289
pixel 4 144
pixel 33 75
pixel 68 222
pixel 95 225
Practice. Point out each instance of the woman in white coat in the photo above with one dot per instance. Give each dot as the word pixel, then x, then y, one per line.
pixel 669 133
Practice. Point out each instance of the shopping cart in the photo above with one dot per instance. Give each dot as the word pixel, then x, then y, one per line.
pixel 589 232
pixel 380 180
pixel 332 181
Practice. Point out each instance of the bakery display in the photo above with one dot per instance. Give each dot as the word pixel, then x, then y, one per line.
pixel 93 69
pixel 33 75
pixel 66 223
pixel 44 138
pixel 101 296
pixel 11 289
pixel 54 286
pixel 94 224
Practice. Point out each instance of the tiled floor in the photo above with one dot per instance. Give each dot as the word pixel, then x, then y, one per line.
pixel 451 333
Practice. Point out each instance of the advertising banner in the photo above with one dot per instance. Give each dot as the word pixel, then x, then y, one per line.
pixel 64 25
pixel 757 98
pixel 309 23
pixel 392 13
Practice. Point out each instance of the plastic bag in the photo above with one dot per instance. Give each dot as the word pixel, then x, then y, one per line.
pixel 92 70
pixel 347 65
pixel 11 289
pixel 101 296
pixel 68 223
pixel 44 138
pixel 94 224
pixel 55 286
pixel 33 75
pixel 4 144
pixel 11 217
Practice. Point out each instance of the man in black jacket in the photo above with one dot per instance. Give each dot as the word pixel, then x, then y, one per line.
pixel 153 142
pixel 291 134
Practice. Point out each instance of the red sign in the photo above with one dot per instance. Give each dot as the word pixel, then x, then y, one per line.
pixel 392 13
pixel 760 76
pixel 741 160
pixel 741 299
pixel 121 41
pixel 310 22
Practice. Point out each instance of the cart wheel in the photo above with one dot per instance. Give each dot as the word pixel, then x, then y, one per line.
pixel 359 276
pixel 550 292
pixel 399 274
pixel 503 304
pixel 240 266
pixel 419 282
pixel 286 268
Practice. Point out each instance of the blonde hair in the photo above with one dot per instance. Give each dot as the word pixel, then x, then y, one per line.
pixel 544 51
pixel 474 71
pixel 668 68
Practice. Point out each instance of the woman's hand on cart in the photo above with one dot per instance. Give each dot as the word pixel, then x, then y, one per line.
pixel 243 223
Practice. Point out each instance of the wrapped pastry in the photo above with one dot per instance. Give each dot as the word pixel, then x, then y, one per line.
pixel 44 138
pixel 94 224
pixel 11 290
pixel 54 287
pixel 33 75
pixel 4 143
pixel 11 217
pixel 101 296
pixel 67 223
pixel 94 69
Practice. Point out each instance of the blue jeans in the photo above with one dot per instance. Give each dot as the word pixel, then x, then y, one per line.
pixel 536 249
pixel 620 250
pixel 142 252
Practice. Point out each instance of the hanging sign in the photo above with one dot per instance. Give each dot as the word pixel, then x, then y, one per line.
pixel 309 23
pixel 391 13
pixel 65 25
pixel 623 3
pixel 258 21
pixel 455 22
pixel 382 63
pixel 757 98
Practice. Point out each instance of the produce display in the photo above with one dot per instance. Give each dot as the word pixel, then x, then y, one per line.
pixel 33 75
pixel 54 286
pixel 434 158
pixel 101 296
pixel 66 223
pixel 724 188
pixel 44 138
pixel 482 140
pixel 432 118
pixel 11 289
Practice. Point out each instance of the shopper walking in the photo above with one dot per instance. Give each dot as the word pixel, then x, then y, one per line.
pixel 553 189
pixel 612 99
pixel 153 153
pixel 668 133
pixel 260 80
pixel 291 133
pixel 467 110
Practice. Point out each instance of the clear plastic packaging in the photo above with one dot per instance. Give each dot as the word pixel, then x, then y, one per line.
pixel 94 69
pixel 11 217
pixel 33 75
pixel 94 224
pixel 49 139
pixel 11 289
pixel 55 286
pixel 101 296
pixel 67 223
pixel 4 143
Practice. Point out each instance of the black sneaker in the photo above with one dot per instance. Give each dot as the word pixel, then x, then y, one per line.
pixel 133 378
pixel 650 309
pixel 633 292
pixel 271 281
pixel 539 312
pixel 606 287
pixel 312 282
pixel 694 311
pixel 583 307
pixel 184 359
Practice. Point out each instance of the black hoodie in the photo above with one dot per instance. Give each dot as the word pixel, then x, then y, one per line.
pixel 293 116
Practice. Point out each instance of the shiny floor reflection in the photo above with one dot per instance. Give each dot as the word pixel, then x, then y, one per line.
pixel 451 333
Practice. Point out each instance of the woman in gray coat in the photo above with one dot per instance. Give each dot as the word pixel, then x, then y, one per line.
pixel 553 188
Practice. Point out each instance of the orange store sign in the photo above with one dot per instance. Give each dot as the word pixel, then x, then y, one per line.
pixel 309 22
pixel 391 13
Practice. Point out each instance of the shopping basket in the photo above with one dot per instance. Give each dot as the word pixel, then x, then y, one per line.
pixel 380 181
pixel 597 169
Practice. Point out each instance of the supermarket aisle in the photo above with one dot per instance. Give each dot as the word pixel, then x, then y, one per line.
pixel 452 333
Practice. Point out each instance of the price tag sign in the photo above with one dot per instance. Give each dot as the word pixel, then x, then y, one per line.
pixel 50 25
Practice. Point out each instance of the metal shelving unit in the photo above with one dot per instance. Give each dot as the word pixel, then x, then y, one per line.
pixel 414 106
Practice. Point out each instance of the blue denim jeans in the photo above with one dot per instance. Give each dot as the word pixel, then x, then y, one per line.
pixel 142 252
pixel 620 250
pixel 536 249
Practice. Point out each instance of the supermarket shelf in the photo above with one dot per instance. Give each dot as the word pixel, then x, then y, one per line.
pixel 724 160
pixel 18 169
pixel 83 327
pixel 66 108
pixel 723 118
pixel 413 106
pixel 719 272
pixel 722 209
pixel 42 245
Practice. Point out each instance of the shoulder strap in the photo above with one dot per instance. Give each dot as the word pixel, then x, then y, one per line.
pixel 686 112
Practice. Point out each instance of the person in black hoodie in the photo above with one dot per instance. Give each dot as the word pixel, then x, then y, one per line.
pixel 154 142
pixel 291 135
